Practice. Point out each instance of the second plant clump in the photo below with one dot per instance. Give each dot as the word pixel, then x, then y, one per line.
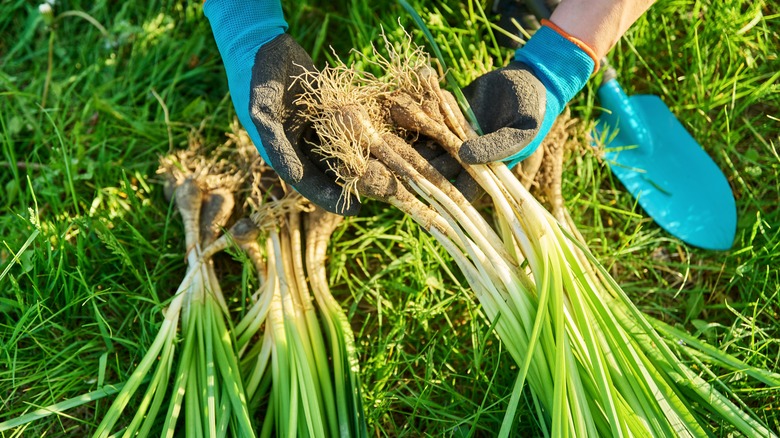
pixel 280 361
pixel 596 366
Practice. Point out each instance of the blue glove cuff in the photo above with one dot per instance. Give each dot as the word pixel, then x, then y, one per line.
pixel 240 28
pixel 562 67
pixel 558 63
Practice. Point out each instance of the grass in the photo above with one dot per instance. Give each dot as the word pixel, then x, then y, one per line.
pixel 81 302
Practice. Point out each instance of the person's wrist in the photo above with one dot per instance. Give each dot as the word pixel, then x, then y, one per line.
pixel 240 29
pixel 584 46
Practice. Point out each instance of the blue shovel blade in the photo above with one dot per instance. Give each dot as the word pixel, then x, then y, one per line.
pixel 670 175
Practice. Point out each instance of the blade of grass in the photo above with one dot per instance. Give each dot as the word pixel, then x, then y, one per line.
pixel 62 406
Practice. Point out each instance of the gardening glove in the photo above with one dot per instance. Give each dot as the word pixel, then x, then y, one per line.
pixel 517 105
pixel 449 167
pixel 261 63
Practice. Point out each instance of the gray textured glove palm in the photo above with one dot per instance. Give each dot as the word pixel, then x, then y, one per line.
pixel 286 137
pixel 510 105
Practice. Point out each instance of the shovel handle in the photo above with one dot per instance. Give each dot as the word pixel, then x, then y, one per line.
pixel 621 113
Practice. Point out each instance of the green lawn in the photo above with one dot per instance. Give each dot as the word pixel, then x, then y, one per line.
pixel 88 259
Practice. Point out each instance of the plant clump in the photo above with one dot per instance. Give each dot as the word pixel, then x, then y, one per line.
pixel 280 361
pixel 596 365
pixel 198 379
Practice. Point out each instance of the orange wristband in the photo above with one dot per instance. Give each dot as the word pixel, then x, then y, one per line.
pixel 585 48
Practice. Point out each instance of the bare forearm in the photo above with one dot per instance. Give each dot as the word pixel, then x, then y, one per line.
pixel 598 23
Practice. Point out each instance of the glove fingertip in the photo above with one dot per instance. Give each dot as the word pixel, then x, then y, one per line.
pixel 497 146
pixel 481 150
pixel 466 152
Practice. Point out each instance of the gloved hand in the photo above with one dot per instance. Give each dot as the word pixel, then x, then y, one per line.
pixel 261 62
pixel 517 105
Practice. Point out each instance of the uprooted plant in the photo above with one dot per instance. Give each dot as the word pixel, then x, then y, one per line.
pixel 289 365
pixel 207 392
pixel 297 350
pixel 596 366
